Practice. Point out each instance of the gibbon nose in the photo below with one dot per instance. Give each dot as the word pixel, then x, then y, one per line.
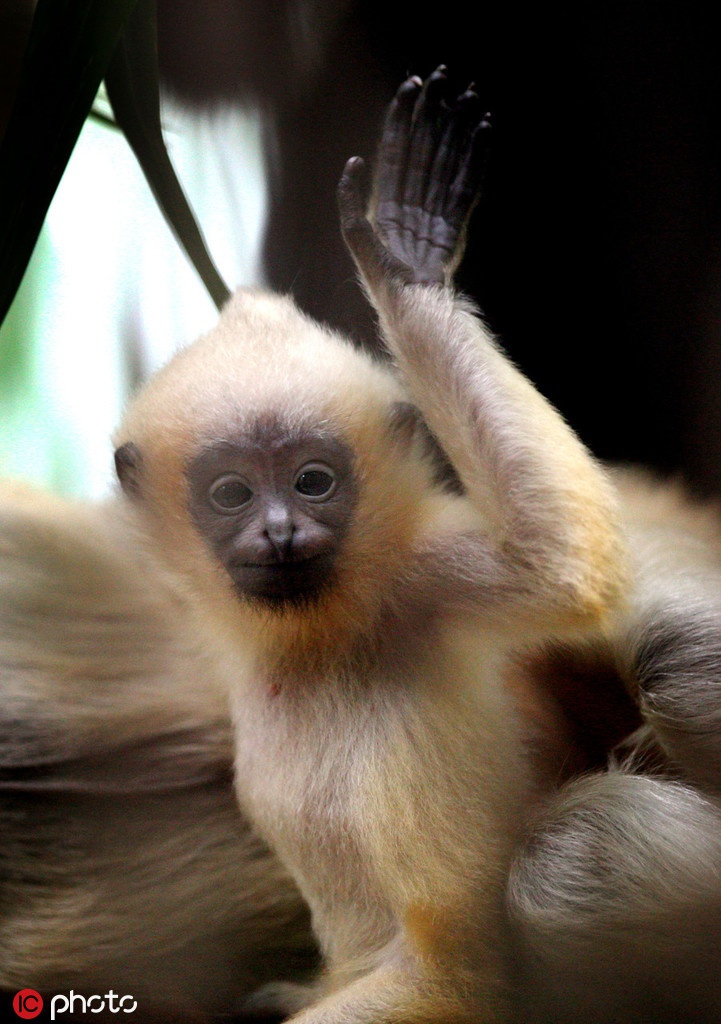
pixel 279 530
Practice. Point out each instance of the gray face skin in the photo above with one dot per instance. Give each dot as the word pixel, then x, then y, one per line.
pixel 275 507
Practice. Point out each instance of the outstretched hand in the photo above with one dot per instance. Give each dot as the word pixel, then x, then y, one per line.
pixel 427 180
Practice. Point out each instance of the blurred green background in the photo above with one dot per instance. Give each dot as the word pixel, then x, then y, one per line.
pixel 108 293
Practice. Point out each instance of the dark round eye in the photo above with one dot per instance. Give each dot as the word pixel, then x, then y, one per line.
pixel 316 482
pixel 229 493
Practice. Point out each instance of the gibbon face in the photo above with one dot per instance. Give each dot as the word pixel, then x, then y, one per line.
pixel 275 505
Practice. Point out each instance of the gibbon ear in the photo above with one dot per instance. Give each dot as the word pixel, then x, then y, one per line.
pixel 128 467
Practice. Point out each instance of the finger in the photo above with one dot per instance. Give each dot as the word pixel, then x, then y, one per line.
pixel 426 129
pixel 452 135
pixel 352 193
pixel 392 158
pixel 466 187
pixel 395 138
pixel 452 149
pixel 367 249
pixel 428 119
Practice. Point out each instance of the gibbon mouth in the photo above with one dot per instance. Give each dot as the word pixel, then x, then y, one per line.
pixel 281 564
pixel 282 580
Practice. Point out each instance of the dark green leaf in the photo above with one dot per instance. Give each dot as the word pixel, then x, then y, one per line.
pixel 70 47
pixel 132 83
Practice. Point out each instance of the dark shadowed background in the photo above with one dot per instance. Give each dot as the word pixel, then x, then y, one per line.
pixel 595 254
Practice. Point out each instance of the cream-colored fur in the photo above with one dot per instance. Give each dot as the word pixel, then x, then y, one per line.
pixel 124 860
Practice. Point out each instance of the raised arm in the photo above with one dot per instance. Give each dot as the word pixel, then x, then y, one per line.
pixel 549 537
